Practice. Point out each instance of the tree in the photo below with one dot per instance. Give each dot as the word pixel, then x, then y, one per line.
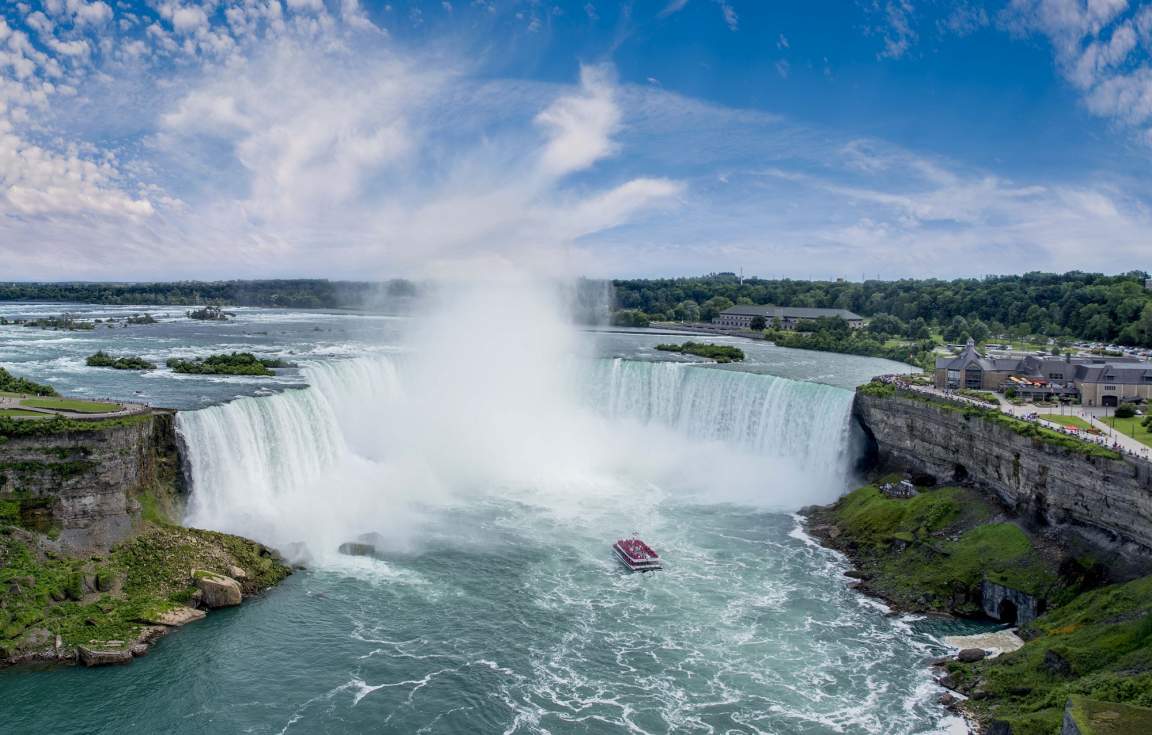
pixel 918 329
pixel 978 330
pixel 1125 411
pixel 687 311
pixel 957 331
pixel 713 306
pixel 758 324
pixel 886 324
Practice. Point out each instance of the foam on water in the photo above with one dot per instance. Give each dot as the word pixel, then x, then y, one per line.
pixel 495 605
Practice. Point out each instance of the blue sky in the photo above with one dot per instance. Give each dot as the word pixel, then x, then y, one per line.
pixel 362 139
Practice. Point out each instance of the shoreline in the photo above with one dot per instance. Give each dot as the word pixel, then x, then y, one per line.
pixel 891 609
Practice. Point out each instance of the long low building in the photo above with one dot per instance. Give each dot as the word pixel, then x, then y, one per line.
pixel 782 317
pixel 1096 381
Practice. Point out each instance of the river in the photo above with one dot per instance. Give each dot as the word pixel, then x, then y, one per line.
pixel 492 495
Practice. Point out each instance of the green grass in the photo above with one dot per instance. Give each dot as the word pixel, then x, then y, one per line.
pixel 69 404
pixel 1101 645
pixel 1131 428
pixel 1074 421
pixel 153 569
pixel 19 412
pixel 934 550
pixel 1093 717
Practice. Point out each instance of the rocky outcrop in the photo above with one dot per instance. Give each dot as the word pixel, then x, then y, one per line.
pixel 103 656
pixel 217 590
pixel 1106 501
pixel 84 487
pixel 176 617
pixel 1008 605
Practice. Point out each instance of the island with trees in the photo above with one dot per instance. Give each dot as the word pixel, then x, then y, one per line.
pixel 719 353
pixel 127 362
pixel 234 363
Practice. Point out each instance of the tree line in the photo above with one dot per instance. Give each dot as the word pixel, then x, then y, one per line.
pixel 287 293
pixel 1090 306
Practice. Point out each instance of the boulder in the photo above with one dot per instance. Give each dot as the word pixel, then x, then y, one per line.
pixel 217 590
pixel 971 655
pixel 1057 664
pixel 138 650
pixel 236 572
pixel 176 617
pixel 353 548
pixel 947 699
pixel 97 656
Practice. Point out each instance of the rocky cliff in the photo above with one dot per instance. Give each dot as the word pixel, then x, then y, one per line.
pixel 1104 500
pixel 89 485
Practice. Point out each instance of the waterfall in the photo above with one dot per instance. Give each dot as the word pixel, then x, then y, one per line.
pixel 357 452
pixel 802 421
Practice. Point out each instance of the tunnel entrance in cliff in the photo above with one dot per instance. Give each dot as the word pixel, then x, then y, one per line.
pixel 1008 612
pixel 959 472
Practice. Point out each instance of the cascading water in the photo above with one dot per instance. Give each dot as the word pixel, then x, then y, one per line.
pixel 357 453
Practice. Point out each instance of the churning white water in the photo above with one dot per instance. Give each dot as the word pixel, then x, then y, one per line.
pixel 357 452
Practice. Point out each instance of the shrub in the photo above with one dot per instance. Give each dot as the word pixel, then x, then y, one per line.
pixel 1125 411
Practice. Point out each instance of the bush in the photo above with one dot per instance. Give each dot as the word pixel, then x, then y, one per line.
pixel 235 363
pixel 629 318
pixel 131 362
pixel 1125 411
pixel 11 384
pixel 719 353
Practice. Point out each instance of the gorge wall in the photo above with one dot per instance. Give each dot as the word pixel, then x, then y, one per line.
pixel 88 487
pixel 1105 502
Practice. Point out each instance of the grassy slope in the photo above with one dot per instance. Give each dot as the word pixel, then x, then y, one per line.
pixel 934 550
pixel 139 578
pixel 922 551
pixel 1099 645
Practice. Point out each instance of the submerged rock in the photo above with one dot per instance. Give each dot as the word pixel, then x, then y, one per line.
pixel 354 548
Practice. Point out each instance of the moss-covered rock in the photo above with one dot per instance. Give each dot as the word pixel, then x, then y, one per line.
pixel 118 597
pixel 934 551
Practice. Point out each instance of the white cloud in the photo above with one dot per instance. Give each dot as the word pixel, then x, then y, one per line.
pixel 1101 48
pixel 580 126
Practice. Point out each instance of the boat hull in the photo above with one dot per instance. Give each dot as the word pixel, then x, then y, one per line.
pixel 636 565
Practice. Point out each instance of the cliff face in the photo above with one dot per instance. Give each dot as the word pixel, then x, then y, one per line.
pixel 1106 502
pixel 87 489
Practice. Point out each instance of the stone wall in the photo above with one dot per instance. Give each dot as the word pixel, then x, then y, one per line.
pixel 84 488
pixel 1104 502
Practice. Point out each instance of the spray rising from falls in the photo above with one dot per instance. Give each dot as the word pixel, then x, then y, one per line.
pixel 362 450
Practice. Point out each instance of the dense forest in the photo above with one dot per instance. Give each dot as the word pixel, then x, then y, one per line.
pixel 291 294
pixel 1081 305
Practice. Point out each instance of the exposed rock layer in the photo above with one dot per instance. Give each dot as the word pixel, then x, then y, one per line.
pixel 85 485
pixel 1107 502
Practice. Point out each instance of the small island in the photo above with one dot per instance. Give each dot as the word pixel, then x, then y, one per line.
pixel 235 363
pixel 210 314
pixel 128 362
pixel 719 353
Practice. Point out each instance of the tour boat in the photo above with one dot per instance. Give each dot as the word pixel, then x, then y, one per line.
pixel 636 555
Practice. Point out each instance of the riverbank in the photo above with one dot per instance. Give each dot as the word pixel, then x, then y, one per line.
pixel 955 551
pixel 110 608
pixel 93 565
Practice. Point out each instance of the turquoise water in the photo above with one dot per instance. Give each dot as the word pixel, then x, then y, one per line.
pixel 493 603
